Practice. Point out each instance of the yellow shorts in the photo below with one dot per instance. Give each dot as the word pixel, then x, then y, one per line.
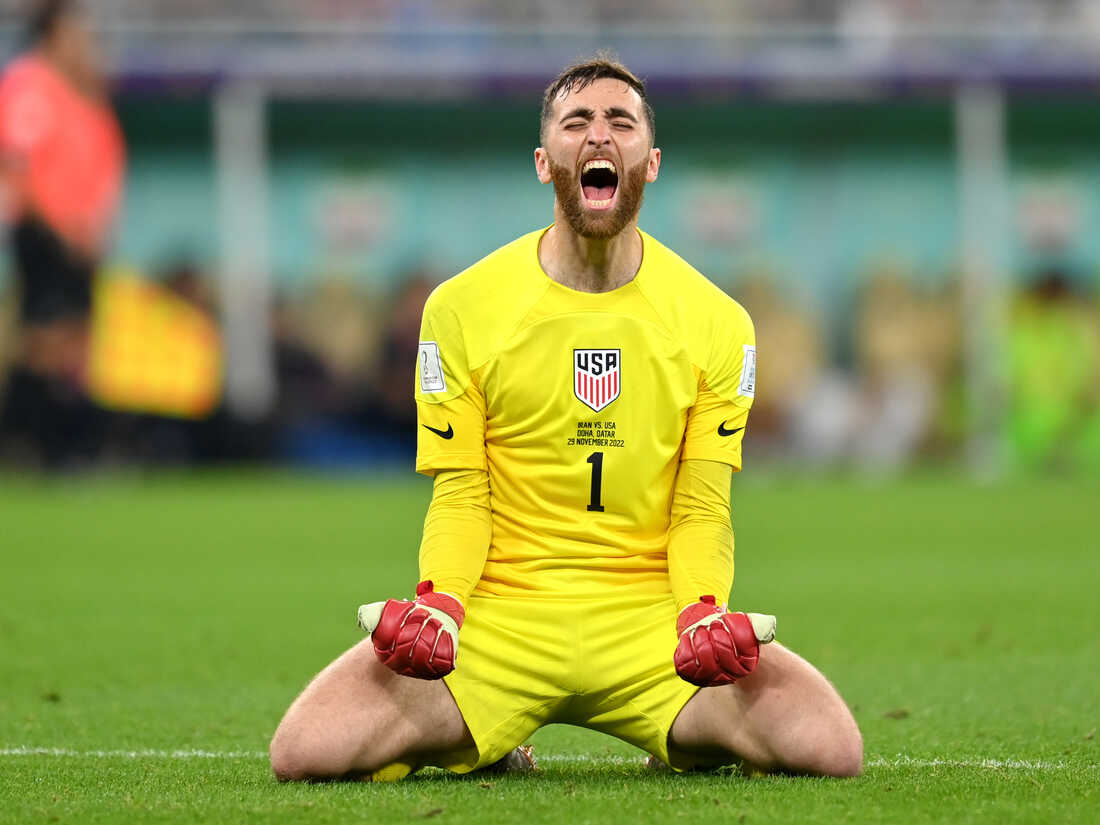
pixel 601 663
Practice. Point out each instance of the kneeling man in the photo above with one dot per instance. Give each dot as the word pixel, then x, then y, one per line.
pixel 582 396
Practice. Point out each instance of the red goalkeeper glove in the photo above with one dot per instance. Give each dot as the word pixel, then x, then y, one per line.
pixel 418 638
pixel 717 647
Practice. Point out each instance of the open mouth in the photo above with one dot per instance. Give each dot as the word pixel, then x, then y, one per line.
pixel 599 182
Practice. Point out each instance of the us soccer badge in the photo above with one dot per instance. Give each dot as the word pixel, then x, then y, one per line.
pixel 597 376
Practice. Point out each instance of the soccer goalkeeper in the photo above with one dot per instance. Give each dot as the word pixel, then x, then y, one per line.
pixel 582 396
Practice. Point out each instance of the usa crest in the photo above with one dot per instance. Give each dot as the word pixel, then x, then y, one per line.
pixel 597 376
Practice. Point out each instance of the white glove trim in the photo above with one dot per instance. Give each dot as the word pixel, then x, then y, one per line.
pixel 763 625
pixel 370 615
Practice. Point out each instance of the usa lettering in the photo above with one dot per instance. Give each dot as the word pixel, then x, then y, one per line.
pixel 597 363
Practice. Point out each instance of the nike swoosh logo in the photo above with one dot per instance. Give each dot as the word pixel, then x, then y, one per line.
pixel 723 431
pixel 447 433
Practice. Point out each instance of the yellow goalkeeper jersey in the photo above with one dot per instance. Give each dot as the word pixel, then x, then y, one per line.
pixel 580 406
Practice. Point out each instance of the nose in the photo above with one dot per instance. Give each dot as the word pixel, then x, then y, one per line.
pixel 598 133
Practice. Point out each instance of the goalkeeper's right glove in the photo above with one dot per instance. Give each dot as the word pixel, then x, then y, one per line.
pixel 417 638
pixel 717 647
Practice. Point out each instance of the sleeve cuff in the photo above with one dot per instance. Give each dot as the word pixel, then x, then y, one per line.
pixel 432 464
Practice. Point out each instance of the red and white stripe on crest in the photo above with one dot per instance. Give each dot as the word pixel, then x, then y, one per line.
pixel 596 374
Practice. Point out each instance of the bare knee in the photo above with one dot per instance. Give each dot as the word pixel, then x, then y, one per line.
pixel 832 747
pixel 847 757
pixel 316 742
pixel 357 716
pixel 786 718
pixel 329 730
pixel 847 760
pixel 296 756
pixel 290 762
pixel 820 737
pixel 813 747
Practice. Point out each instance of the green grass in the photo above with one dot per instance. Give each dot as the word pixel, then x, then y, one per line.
pixel 962 623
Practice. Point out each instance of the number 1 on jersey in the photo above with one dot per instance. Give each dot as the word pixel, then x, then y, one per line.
pixel 596 460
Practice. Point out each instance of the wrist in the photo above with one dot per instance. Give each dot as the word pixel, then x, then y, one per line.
pixel 427 595
pixel 696 612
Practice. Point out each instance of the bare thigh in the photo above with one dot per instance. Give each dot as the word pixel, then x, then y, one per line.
pixel 358 716
pixel 786 717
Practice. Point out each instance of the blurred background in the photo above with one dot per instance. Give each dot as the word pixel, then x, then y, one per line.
pixel 223 219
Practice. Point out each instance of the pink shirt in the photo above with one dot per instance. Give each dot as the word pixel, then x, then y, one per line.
pixel 63 152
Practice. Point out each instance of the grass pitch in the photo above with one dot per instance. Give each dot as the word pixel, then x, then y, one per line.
pixel 152 631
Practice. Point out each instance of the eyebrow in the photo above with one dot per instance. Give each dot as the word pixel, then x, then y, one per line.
pixel 588 114
pixel 617 111
pixel 580 111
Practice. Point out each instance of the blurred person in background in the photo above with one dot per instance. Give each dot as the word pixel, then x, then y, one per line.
pixel 326 341
pixel 1054 373
pixel 338 321
pixel 906 344
pixel 793 351
pixel 62 159
pixel 388 412
pixel 343 367
pixel 160 413
pixel 305 385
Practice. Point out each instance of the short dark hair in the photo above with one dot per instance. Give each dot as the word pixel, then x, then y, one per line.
pixel 43 16
pixel 586 72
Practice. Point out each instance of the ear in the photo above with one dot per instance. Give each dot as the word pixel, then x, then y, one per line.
pixel 542 165
pixel 653 166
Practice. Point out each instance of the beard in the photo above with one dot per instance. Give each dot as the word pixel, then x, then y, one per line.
pixel 600 225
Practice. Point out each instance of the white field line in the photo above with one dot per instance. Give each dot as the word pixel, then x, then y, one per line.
pixel 135 754
pixel 899 761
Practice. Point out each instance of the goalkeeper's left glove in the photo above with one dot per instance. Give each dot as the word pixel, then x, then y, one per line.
pixel 418 638
pixel 717 647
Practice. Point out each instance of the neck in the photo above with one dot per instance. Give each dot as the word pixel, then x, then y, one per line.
pixel 590 264
pixel 78 79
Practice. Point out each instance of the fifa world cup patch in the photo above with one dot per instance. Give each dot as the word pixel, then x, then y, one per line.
pixel 597 376
pixel 748 372
pixel 431 368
